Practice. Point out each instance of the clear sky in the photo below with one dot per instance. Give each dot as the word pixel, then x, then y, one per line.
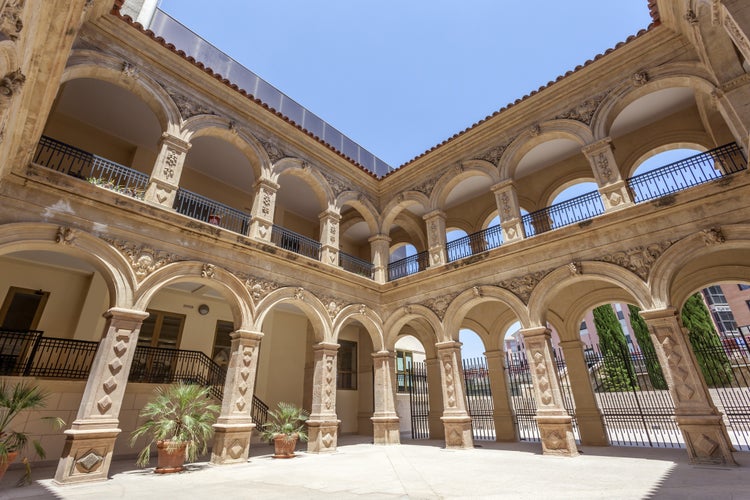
pixel 400 76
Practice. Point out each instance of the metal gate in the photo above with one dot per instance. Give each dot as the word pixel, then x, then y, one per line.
pixel 479 398
pixel 419 401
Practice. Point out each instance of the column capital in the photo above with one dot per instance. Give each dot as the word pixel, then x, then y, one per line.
pixel 595 146
pixel 505 184
pixel 651 314
pixel 433 214
pixel 450 344
pixel 325 346
pixel 329 214
pixel 383 354
pixel 175 142
pixel 571 344
pixel 246 335
pixel 535 331
pixel 266 183
pixel 380 237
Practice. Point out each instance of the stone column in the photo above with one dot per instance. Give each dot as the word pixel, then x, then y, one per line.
pixel 165 176
pixel 612 188
pixel 435 398
pixel 456 419
pixel 91 438
pixel 590 421
pixel 509 211
pixel 264 205
pixel 385 419
pixel 699 420
pixel 436 238
pixel 234 427
pixel 323 424
pixel 505 429
pixel 329 237
pixel 555 425
pixel 380 247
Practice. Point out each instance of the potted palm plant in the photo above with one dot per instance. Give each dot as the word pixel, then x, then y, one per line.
pixel 179 421
pixel 285 426
pixel 15 398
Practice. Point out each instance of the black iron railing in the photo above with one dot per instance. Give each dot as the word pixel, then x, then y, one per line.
pixel 78 163
pixel 355 265
pixel 16 350
pixel 475 243
pixel 577 209
pixel 289 240
pixel 409 265
pixel 207 210
pixel 701 168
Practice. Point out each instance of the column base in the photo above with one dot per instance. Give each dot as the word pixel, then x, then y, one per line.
pixel 458 432
pixel 706 439
pixel 386 430
pixel 86 456
pixel 557 435
pixel 322 436
pixel 231 443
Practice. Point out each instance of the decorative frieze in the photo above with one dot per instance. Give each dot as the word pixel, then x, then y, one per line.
pixel 584 112
pixel 439 305
pixel 522 286
pixel 188 106
pixel 273 151
pixel 143 259
pixel 494 154
pixel 258 287
pixel 638 259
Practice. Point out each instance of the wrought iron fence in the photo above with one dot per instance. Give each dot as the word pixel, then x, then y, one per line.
pixel 701 168
pixel 479 403
pixel 207 210
pixel 289 240
pixel 475 243
pixel 419 401
pixel 561 214
pixel 16 350
pixel 409 265
pixel 355 265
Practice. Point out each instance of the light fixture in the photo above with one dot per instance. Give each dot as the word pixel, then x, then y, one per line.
pixel 203 309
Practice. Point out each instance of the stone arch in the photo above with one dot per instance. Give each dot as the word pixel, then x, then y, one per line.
pixel 311 175
pixel 110 263
pixel 468 299
pixel 706 257
pixel 530 138
pixel 8 56
pixel 308 303
pixel 98 66
pixel 414 313
pixel 655 145
pixel 453 177
pixel 231 288
pixel 561 185
pixel 399 203
pixel 366 317
pixel 362 205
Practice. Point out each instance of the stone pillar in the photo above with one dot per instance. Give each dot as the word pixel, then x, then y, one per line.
pixel 699 420
pixel 456 419
pixel 90 440
pixel 509 211
pixel 735 18
pixel 329 237
pixel 590 421
pixel 380 247
pixel 264 205
pixel 436 238
pixel 385 419
pixel 165 176
pixel 612 188
pixel 234 427
pixel 323 424
pixel 505 428
pixel 435 398
pixel 555 425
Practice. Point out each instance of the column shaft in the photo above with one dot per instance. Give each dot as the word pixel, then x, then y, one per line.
pixel 456 420
pixel 505 428
pixel 385 419
pixel 323 424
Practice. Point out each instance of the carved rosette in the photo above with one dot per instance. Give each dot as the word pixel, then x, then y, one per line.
pixel 65 235
pixel 208 271
pixel 638 259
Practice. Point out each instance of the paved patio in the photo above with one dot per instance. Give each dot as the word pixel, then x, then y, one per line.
pixel 417 469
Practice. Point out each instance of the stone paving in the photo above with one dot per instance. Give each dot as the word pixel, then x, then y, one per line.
pixel 416 469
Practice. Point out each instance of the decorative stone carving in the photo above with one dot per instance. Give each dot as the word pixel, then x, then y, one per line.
pixel 299 293
pixel 584 112
pixel 713 236
pixel 439 305
pixel 208 271
pixel 493 155
pixel 11 83
pixel 535 130
pixel 273 151
pixel 266 203
pixel 65 235
pixel 477 291
pixel 691 17
pixel 143 259
pixel 602 163
pixel 259 288
pixel 333 306
pixel 450 390
pixel 737 34
pixel 89 462
pixel 129 70
pixel 575 268
pixel 328 386
pixel 232 126
pixel 638 259
pixel 362 309
pixel 505 205
pixel 522 286
pixel 639 79
pixel 337 184
pixel 11 24
pixel 540 368
pixel 188 107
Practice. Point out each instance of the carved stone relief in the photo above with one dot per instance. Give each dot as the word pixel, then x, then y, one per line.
pixel 11 83
pixel 494 154
pixel 143 259
pixel 584 112
pixel 65 235
pixel 439 305
pixel 188 107
pixel 328 379
pixel 639 79
pixel 208 271
pixel 638 259
pixel 713 236
pixel 258 287
pixel 11 24
pixel 522 286
pixel 540 368
pixel 274 152
pixel 450 389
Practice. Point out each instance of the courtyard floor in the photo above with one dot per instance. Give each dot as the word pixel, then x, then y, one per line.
pixel 416 469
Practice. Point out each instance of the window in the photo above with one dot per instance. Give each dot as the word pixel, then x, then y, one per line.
pixel 222 343
pixel 743 286
pixel 22 308
pixel 347 365
pixel 714 295
pixel 403 367
pixel 161 329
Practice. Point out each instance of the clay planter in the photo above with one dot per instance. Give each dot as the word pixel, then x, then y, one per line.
pixel 169 460
pixel 4 465
pixel 284 446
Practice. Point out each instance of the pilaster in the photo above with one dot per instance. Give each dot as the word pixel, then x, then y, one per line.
pixel 329 237
pixel 264 206
pixel 612 188
pixel 505 429
pixel 456 420
pixel 380 246
pixel 165 176
pixel 323 424
pixel 509 210
pixel 436 239
pixel 385 419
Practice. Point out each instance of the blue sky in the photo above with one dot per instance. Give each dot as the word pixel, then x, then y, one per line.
pixel 399 76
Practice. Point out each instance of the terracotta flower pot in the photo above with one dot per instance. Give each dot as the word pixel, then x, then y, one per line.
pixel 170 460
pixel 284 446
pixel 4 465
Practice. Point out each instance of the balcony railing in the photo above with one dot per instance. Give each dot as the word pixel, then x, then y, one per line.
pixel 568 212
pixel 289 240
pixel 409 265
pixel 481 241
pixel 207 210
pixel 355 265
pixel 699 169
pixel 78 163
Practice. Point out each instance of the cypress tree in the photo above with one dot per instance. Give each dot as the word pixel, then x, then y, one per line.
pixel 706 344
pixel 640 329
pixel 618 370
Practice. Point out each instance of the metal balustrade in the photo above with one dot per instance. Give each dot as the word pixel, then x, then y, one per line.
pixel 693 171
pixel 481 241
pixel 207 210
pixel 562 214
pixel 289 240
pixel 356 265
pixel 409 265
